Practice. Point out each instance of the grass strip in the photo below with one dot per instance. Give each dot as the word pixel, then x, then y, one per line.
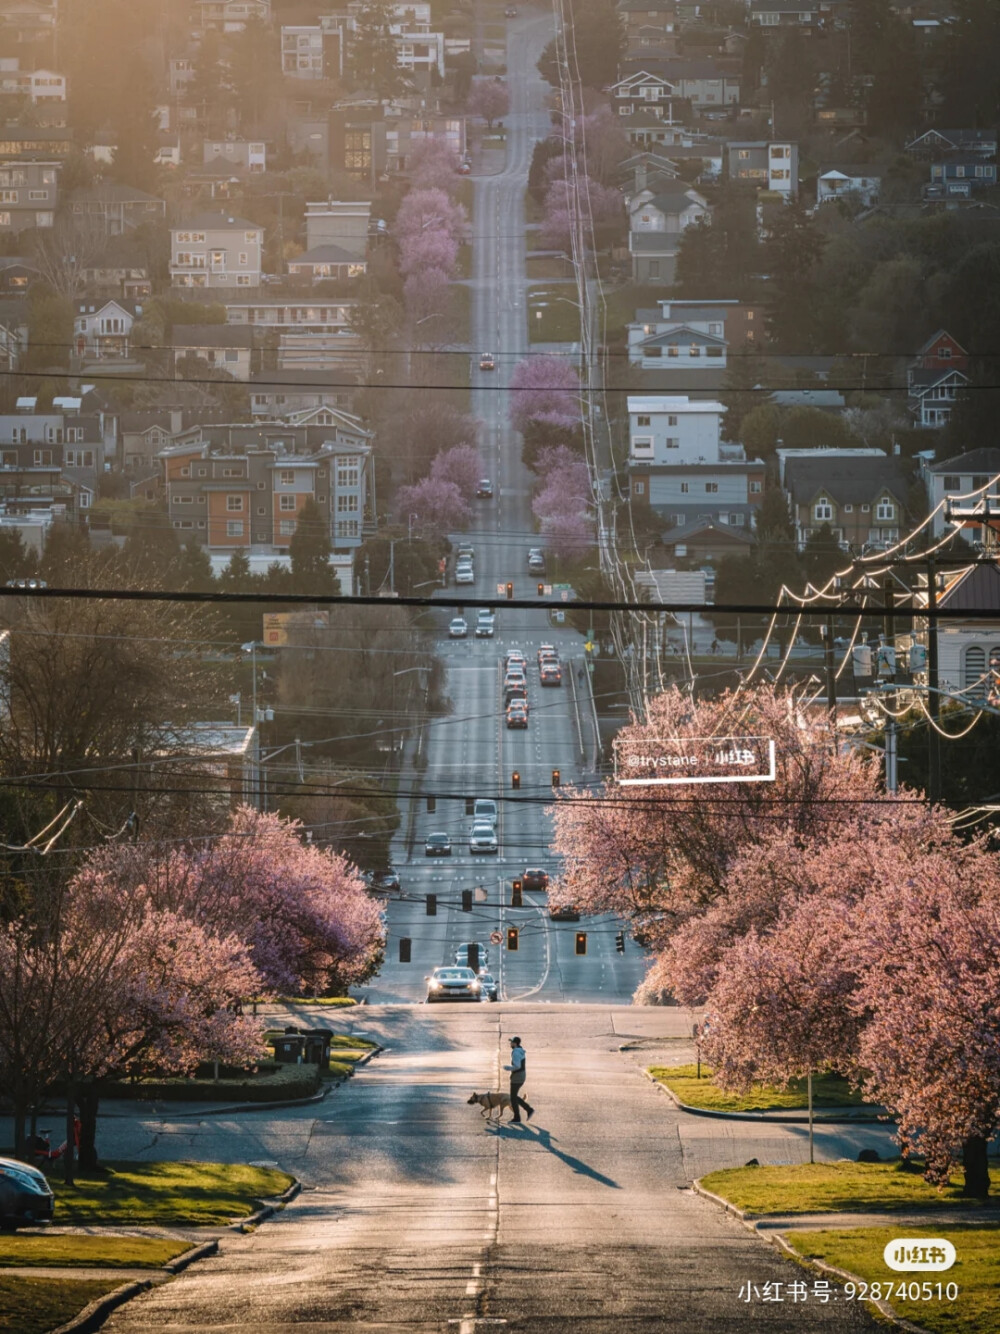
pixel 36 1305
pixel 169 1194
pixel 808 1188
pixel 272 1082
pixel 333 1001
pixel 98 1252
pixel 976 1271
pixel 682 1080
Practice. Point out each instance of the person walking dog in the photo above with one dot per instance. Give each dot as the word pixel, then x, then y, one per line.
pixel 518 1074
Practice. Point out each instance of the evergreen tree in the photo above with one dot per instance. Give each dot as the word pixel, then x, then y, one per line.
pixel 152 551
pixel 822 556
pixel 744 372
pixel 16 562
pixel 793 249
pixel 252 66
pixel 310 550
pixel 371 51
pixel 136 128
pixel 699 262
pixel 65 554
pixel 237 576
pixel 194 568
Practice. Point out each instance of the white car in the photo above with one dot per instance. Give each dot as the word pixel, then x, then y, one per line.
pixel 485 811
pixel 453 984
pixel 483 838
pixel 458 629
pixel 464 574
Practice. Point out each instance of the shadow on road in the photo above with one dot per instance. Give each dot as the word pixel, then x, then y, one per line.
pixel 544 1138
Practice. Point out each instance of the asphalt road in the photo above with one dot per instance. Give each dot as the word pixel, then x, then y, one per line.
pixel 418 1217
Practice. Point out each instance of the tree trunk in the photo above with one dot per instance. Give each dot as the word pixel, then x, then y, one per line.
pixel 976 1167
pixel 69 1157
pixel 20 1148
pixel 87 1100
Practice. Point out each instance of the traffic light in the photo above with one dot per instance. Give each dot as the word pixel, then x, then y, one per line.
pixel 431 805
pixel 515 894
pixel 620 942
pixel 541 590
pixel 472 956
pixel 512 937
pixel 510 592
pixel 432 905
pixel 404 949
pixel 470 805
pixel 555 778
pixel 466 900
pixel 515 781
pixel 581 942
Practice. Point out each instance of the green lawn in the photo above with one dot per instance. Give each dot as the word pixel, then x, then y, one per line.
pixel 809 1188
pixel 828 1091
pixel 99 1252
pixel 37 1305
pixel 560 316
pixel 976 1271
pixel 548 266
pixel 270 1083
pixel 169 1194
pixel 622 303
pixel 314 1000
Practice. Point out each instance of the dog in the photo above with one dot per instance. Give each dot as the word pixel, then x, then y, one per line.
pixel 492 1101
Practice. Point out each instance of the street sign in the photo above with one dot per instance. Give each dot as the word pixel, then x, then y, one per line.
pixel 564 595
pixel 496 938
pixel 501 590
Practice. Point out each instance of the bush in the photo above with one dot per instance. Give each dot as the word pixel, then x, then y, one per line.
pixel 271 1082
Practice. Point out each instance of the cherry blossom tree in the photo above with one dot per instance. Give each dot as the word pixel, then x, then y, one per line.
pixel 425 294
pixel 488 99
pixel 432 165
pixel 461 465
pixel 568 536
pixel 428 250
pixel 430 210
pixel 439 507
pixel 544 388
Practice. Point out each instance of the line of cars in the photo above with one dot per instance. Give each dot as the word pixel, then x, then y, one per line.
pixel 482 836
pixel 462 982
pixel 515 681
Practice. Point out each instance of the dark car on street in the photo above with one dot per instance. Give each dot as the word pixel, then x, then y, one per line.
pixel 490 989
pixel 533 877
pixel 564 913
pixel 437 845
pixel 384 882
pixel 25 1196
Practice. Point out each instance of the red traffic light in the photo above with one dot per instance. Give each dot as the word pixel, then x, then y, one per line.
pixel 512 937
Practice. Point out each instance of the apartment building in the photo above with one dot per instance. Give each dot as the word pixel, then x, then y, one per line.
pixel 216 250
pixel 29 195
pixel 768 165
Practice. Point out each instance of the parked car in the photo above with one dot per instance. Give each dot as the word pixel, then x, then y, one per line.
pixel 458 629
pixel 534 877
pixel 485 811
pixel 485 489
pixel 462 954
pixel 437 845
pixel 483 838
pixel 464 169
pixel 25 1196
pixel 491 991
pixel 487 362
pixel 453 984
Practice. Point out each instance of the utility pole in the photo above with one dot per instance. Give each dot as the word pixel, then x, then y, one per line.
pixel 892 728
pixel 933 684
pixel 831 675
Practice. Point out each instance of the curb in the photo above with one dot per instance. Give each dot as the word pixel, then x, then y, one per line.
pixel 743 1215
pixel 268 1210
pixel 93 1316
pixel 189 1257
pixel 845 1276
pixel 769 1118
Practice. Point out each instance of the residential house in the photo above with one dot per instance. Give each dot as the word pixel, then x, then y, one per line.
pixel 313 332
pixel 771 166
pixel 860 182
pixel 223 347
pixel 181 73
pixel 251 500
pixel 101 329
pixel 310 51
pixel 324 262
pixel 13 340
pixel 242 155
pixel 143 436
pixel 231 15
pixel 958 479
pixel 25 22
pixel 960 177
pixel 341 223
pixel 934 379
pixel 693 335
pixel 780 15
pixel 705 542
pixel 650 21
pixel 406 133
pixel 861 497
pixel 38 86
pixel 938 143
pixel 968 648
pixel 707 83
pixel 35 142
pixel 644 92
pixel 655 226
pixel 29 195
pixel 168 150
pixel 118 208
pixel 646 170
pixel 680 466
pixel 294 395
pixel 216 250
pixel 16 275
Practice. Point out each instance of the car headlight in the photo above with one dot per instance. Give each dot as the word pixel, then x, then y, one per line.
pixel 26 1180
pixel 435 984
pixel 475 986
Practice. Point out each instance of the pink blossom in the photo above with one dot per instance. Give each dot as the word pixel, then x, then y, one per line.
pixel 439 506
pixel 428 250
pixel 425 293
pixel 462 465
pixel 544 387
pixel 489 99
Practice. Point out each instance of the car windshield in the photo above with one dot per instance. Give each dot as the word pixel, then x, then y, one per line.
pixel 454 974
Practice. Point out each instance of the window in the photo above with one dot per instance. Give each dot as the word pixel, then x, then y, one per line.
pixel 347 528
pixel 286 477
pixel 715 330
pixel 885 511
pixel 654 268
pixel 673 350
pixel 738 520
pixel 250 237
pixel 711 488
pixel 8 196
pixel 347 504
pixel 944 354
pixel 183 500
pixel 714 352
pixel 232 472
pixel 243 280
pixel 286 528
pixel 348 472
pixel 642 444
pixel 42 458
pixel 202 472
pixel 822 511
pixel 978 482
pixel 234 504
pixel 848 509
pixel 243 257
pixel 672 442
pixel 685 488
pixel 234 528
pixel 755 488
pixel 679 520
pixel 866 509
pixel 38 194
pixel 639 488
pixel 286 503
pixel 672 419
pixel 643 420
pixel 743 154
pixel 261 511
pixel 975 666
